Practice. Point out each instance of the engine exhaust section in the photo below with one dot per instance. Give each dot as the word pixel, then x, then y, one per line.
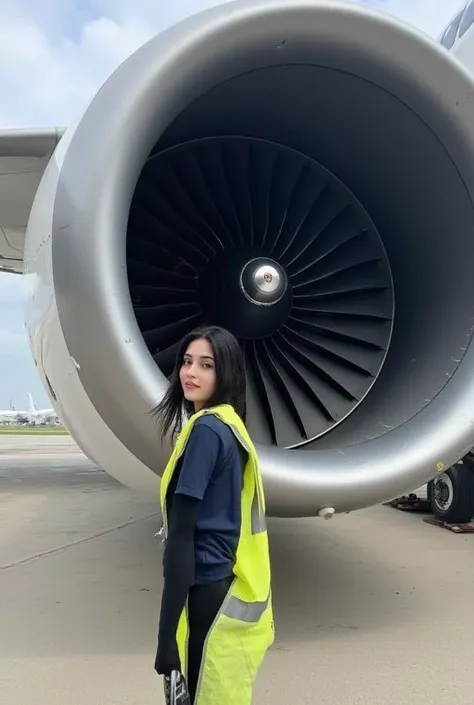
pixel 302 173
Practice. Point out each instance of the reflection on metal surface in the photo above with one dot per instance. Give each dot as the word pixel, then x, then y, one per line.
pixel 263 282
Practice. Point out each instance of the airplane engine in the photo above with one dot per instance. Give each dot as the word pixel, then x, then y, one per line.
pixel 301 173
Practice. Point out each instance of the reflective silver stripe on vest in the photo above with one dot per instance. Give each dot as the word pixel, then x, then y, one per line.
pixel 258 519
pixel 249 612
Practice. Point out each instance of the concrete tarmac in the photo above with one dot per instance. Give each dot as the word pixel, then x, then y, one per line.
pixel 373 608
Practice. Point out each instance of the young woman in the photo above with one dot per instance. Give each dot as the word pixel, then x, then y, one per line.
pixel 216 620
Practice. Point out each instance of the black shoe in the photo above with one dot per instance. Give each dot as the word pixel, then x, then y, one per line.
pixel 176 691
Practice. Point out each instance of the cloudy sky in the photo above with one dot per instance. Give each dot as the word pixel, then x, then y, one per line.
pixel 54 55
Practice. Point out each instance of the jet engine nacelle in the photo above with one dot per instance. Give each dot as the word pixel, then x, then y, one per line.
pixel 302 173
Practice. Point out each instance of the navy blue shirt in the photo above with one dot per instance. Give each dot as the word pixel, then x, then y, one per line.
pixel 211 470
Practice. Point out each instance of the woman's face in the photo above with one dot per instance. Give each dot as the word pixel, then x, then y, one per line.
pixel 198 373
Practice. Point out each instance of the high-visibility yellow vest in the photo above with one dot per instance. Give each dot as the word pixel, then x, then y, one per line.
pixel 243 629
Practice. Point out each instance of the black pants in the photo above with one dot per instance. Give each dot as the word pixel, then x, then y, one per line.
pixel 204 603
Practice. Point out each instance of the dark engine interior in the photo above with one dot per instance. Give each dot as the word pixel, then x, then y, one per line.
pixel 353 200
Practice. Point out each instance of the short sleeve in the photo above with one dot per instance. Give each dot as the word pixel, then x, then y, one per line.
pixel 199 460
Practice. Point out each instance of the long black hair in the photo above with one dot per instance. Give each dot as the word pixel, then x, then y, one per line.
pixel 230 379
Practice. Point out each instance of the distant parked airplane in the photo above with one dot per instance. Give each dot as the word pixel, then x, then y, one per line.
pixel 31 415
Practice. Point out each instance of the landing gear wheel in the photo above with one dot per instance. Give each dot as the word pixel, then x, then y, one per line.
pixel 451 495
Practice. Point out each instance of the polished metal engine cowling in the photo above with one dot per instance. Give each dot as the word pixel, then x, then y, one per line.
pixel 302 173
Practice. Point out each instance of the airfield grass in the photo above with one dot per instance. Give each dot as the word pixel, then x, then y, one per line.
pixel 33 431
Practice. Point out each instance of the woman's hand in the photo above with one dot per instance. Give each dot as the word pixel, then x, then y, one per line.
pixel 167 658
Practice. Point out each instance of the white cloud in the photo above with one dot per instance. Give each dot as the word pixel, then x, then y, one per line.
pixel 49 79
pixel 54 55
pixel 12 343
pixel 10 289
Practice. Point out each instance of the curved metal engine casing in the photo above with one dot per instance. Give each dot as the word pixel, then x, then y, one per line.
pixel 57 368
pixel 379 105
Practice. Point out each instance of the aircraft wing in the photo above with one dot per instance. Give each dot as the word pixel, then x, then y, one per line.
pixel 24 155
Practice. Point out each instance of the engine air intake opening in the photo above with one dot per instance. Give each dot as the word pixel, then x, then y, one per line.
pixel 261 239
pixel 321 221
